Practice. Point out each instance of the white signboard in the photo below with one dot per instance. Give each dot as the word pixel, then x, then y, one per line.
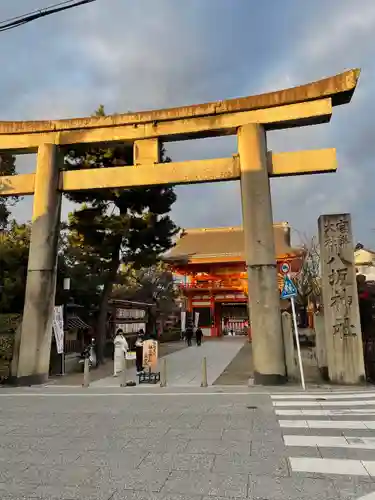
pixel 183 321
pixel 58 328
pixel 196 320
pixel 130 355
pixel 130 327
pixel 150 353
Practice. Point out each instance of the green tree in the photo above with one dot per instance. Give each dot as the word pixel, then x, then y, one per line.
pixel 14 254
pixel 154 285
pixel 81 265
pixel 7 168
pixel 308 280
pixel 130 226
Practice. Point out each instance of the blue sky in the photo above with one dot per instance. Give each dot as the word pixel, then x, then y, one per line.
pixel 133 55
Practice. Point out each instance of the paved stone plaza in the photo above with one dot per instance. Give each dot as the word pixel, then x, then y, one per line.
pixel 179 444
pixel 184 367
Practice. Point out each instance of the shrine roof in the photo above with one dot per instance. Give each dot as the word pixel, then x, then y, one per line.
pixel 223 244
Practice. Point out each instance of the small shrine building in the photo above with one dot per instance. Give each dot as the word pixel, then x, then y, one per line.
pixel 209 266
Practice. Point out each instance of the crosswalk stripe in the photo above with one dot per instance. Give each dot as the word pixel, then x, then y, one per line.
pixel 365 402
pixel 328 408
pixel 330 466
pixel 369 496
pixel 356 395
pixel 326 413
pixel 328 424
pixel 330 442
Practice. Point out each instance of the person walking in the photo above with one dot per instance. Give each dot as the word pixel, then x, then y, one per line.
pixel 189 335
pixel 139 351
pixel 198 336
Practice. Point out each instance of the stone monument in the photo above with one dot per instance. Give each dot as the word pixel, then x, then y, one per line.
pixel 340 299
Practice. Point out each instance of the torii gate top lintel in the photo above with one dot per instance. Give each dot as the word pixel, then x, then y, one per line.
pixel 304 105
pixel 338 88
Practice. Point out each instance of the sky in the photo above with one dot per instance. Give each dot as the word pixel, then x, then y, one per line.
pixel 147 54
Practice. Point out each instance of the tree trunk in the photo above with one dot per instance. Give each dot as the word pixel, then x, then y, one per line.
pixel 103 308
pixel 151 321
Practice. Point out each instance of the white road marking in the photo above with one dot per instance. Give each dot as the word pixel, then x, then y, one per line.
pixel 326 413
pixel 330 442
pixel 117 394
pixel 301 424
pixel 369 496
pixel 332 407
pixel 369 466
pixel 356 395
pixel 365 402
pixel 328 424
pixel 329 466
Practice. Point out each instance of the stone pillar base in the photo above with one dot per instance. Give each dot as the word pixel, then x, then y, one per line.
pixel 269 379
pixel 28 380
pixel 324 373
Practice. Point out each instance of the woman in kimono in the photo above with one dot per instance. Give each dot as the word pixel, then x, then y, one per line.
pixel 121 347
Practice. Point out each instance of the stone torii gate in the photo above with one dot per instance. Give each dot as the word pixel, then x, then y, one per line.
pixel 248 117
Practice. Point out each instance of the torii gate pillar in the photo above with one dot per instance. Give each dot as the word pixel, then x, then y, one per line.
pixel 33 352
pixel 263 292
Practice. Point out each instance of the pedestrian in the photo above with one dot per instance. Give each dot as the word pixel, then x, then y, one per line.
pixel 139 351
pixel 198 336
pixel 189 335
pixel 121 347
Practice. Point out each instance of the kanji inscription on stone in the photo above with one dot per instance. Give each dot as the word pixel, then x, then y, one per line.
pixel 340 299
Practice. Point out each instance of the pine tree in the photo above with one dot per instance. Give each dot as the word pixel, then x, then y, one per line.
pixel 115 226
pixel 7 167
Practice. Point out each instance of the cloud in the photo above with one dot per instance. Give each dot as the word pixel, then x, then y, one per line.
pixel 339 40
pixel 140 55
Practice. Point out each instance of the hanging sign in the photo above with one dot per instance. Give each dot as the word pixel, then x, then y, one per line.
pixel 196 320
pixel 58 328
pixel 183 321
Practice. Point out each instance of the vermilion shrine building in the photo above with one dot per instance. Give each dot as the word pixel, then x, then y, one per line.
pixel 209 266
